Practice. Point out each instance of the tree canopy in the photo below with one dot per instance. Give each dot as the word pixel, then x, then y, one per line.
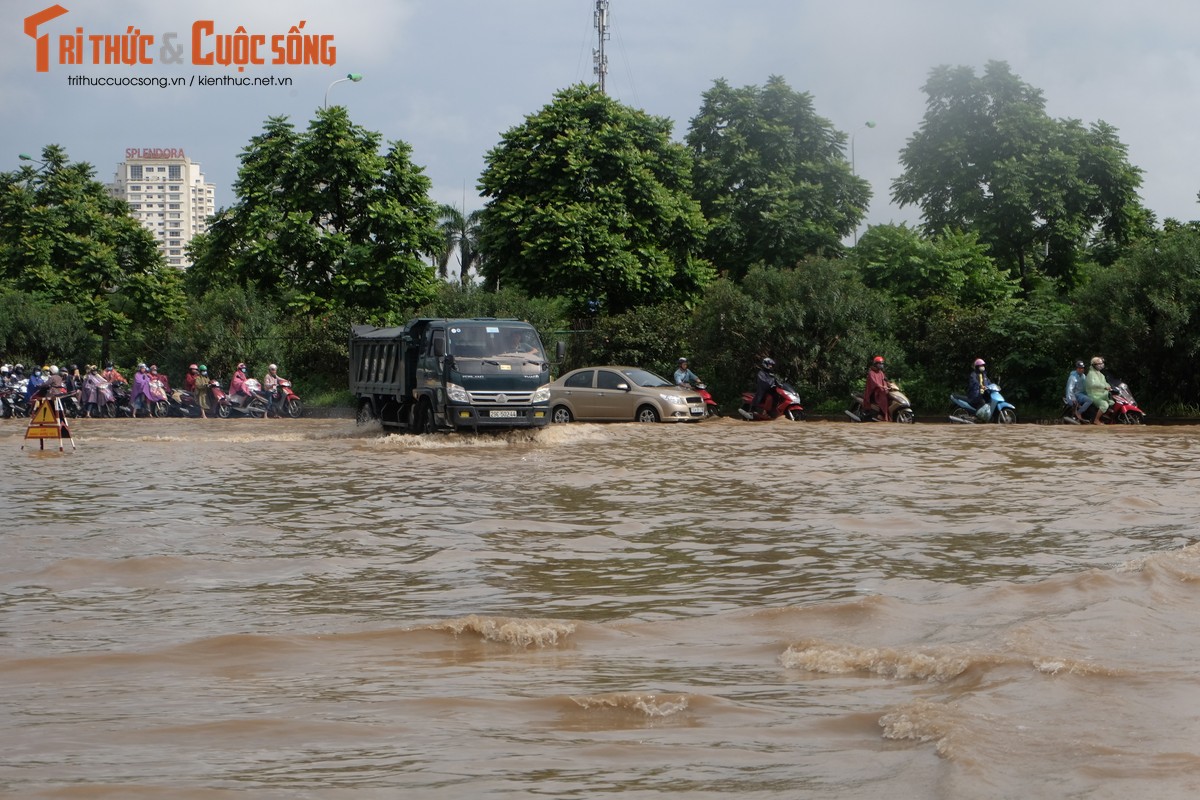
pixel 65 240
pixel 771 177
pixel 589 199
pixel 324 220
pixel 988 158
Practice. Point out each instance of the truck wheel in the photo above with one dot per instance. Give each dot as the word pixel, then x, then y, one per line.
pixel 423 419
pixel 366 414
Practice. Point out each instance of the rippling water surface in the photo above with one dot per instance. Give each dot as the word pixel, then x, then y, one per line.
pixel 200 609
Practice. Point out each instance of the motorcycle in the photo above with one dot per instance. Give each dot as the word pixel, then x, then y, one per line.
pixel 898 407
pixel 226 406
pixel 1123 411
pixel 286 401
pixel 781 401
pixel 121 405
pixel 996 409
pixel 182 404
pixel 710 405
pixel 12 402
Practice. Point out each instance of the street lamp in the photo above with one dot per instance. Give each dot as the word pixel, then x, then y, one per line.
pixel 853 171
pixel 867 124
pixel 352 76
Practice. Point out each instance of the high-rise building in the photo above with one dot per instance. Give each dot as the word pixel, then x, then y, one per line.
pixel 166 192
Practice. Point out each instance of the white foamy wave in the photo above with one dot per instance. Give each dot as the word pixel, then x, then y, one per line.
pixel 510 630
pixel 923 721
pixel 837 659
pixel 651 705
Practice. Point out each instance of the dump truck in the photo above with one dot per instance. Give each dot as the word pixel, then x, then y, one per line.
pixel 451 374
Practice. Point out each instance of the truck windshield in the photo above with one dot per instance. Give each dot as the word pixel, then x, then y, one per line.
pixel 491 340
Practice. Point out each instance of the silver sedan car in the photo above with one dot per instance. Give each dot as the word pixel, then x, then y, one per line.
pixel 621 394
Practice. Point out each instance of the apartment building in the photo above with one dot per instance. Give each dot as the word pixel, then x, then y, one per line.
pixel 167 193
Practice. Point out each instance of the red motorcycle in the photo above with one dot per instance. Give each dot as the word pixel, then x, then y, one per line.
pixel 781 401
pixel 286 401
pixel 1123 411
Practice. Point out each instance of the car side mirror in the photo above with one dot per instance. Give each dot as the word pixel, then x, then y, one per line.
pixel 624 387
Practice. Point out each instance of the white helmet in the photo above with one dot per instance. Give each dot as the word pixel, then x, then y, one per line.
pixel 272 368
pixel 53 369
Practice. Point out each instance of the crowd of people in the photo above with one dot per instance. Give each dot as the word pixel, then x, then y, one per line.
pixel 97 391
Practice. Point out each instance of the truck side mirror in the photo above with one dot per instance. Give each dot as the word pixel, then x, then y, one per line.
pixel 439 348
pixel 560 350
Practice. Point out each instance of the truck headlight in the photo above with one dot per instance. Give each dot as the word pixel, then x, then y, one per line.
pixel 457 394
pixel 541 394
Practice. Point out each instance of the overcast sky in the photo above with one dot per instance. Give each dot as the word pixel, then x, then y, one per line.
pixel 450 76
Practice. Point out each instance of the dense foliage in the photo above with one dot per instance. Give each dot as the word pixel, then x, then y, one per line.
pixel 323 221
pixel 988 158
pixel 589 200
pixel 771 177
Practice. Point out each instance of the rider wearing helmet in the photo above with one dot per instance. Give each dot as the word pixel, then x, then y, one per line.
pixel 684 376
pixel 764 382
pixel 977 382
pixel 237 385
pixel 875 393
pixel 1075 396
pixel 1098 388
pixel 270 384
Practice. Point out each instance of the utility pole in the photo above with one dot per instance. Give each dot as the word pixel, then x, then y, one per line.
pixel 599 59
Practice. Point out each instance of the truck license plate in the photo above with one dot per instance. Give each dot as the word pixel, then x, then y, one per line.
pixel 503 412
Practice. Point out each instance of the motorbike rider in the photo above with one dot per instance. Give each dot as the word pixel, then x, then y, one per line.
pixel 270 384
pixel 192 385
pixel 684 376
pixel 34 383
pixel 238 390
pixel 112 375
pixel 1076 396
pixel 764 382
pixel 1098 388
pixel 875 394
pixel 140 398
pixel 977 381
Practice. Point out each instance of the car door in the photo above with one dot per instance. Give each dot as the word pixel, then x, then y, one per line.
pixel 579 394
pixel 613 402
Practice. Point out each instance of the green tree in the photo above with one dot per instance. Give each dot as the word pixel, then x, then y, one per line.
pixel 589 199
pixel 818 321
pixel 460 234
pixel 65 240
pixel 987 158
pixel 323 220
pixel 771 177
pixel 912 267
pixel 1143 315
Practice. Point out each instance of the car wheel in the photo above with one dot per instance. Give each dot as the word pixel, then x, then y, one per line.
pixel 647 414
pixel 561 415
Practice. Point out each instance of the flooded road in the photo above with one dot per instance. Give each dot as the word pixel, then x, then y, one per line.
pixel 301 608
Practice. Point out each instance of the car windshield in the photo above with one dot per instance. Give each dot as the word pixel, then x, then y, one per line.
pixel 491 339
pixel 643 378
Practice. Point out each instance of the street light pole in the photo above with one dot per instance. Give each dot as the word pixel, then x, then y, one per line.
pixel 352 76
pixel 853 171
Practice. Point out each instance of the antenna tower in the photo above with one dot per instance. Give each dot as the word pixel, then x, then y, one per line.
pixel 599 59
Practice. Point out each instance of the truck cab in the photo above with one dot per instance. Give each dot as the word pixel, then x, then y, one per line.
pixel 451 374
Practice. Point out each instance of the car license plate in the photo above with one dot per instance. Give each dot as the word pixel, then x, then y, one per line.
pixel 696 409
pixel 503 412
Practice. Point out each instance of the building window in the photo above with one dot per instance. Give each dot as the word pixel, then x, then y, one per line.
pixel 173 205
pixel 174 172
pixel 135 172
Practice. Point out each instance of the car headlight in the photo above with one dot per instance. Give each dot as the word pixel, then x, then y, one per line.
pixel 541 395
pixel 674 399
pixel 457 394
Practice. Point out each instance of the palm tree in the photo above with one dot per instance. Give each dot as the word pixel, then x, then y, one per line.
pixel 459 233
